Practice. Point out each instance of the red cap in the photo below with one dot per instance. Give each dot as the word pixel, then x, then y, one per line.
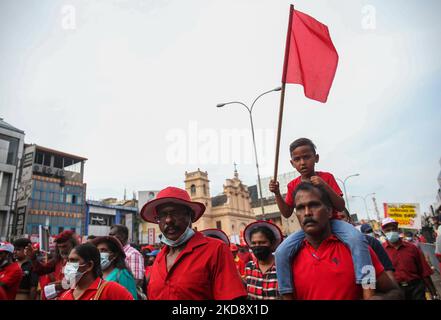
pixel 64 236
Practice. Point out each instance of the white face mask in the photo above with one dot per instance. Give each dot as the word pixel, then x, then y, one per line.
pixel 105 262
pixel 71 274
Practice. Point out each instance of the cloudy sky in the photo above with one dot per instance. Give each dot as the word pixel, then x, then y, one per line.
pixel 132 85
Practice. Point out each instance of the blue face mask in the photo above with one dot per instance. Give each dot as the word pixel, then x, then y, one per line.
pixel 392 236
pixel 188 233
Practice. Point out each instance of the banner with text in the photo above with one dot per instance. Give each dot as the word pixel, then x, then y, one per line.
pixel 407 215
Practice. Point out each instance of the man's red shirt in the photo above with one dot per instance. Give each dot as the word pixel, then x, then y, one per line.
pixel 10 277
pixel 245 256
pixel 203 270
pixel 326 177
pixel 328 272
pixel 240 266
pixel 408 261
pixel 112 291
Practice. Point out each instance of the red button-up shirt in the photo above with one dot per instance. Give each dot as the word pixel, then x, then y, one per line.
pixel 408 261
pixel 11 276
pixel 112 291
pixel 328 272
pixel 203 270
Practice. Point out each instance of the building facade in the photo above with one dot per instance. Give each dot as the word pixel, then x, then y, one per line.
pixel 51 192
pixel 100 216
pixel 148 232
pixel 271 210
pixel 230 211
pixel 11 150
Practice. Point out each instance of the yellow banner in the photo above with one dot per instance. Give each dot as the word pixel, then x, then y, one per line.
pixel 406 214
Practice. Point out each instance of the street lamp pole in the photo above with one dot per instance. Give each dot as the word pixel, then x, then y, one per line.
pixel 250 112
pixel 344 188
pixel 365 204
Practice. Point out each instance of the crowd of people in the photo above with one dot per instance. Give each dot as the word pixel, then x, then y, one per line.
pixel 328 259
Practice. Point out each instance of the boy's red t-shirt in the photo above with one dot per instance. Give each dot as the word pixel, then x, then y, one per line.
pixel 326 176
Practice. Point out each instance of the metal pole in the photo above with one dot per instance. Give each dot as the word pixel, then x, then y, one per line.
pixel 257 166
pixel 367 212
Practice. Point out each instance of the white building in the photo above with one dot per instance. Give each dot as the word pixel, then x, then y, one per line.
pixel 11 151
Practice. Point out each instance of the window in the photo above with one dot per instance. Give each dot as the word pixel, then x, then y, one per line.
pixel 193 189
pixel 205 189
pixel 47 159
pixel 58 162
pixel 74 198
pixel 218 224
pixel 60 229
pixel 39 157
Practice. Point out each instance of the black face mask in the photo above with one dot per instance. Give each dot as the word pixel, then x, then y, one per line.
pixel 261 252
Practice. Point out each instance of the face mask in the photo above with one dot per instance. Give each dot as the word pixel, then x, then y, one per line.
pixel 71 274
pixel 188 233
pixel 261 252
pixel 105 262
pixel 392 236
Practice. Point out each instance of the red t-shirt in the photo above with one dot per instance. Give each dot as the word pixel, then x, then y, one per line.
pixel 240 266
pixel 203 270
pixel 328 272
pixel 10 277
pixel 408 261
pixel 112 291
pixel 326 176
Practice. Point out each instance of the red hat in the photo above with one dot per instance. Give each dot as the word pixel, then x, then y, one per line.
pixel 274 228
pixel 64 236
pixel 171 195
pixel 148 247
pixel 233 247
pixel 217 234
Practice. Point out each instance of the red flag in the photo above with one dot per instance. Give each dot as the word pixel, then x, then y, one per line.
pixel 310 56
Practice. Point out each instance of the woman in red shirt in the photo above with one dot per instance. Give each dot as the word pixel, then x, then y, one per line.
pixel 84 276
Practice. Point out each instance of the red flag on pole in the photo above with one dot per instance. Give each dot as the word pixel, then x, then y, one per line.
pixel 310 56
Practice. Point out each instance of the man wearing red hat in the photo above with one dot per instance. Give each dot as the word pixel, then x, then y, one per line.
pixel 240 265
pixel 65 242
pixel 190 266
pixel 412 271
pixel 10 271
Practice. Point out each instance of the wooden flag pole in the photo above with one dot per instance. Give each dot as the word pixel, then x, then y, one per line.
pixel 282 94
pixel 279 130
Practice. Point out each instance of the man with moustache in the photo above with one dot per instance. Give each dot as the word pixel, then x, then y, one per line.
pixel 323 266
pixel 190 266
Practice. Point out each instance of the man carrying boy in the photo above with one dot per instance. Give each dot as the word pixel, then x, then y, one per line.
pixel 303 159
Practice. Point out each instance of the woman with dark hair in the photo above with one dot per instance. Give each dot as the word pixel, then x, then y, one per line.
pixel 262 237
pixel 84 275
pixel 113 263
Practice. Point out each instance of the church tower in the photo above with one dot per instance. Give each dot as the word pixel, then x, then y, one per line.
pixel 198 187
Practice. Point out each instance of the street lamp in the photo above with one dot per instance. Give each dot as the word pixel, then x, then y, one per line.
pixel 344 188
pixel 365 204
pixel 250 112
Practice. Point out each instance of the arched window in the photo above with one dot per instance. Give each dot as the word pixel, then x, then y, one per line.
pixel 193 189
pixel 205 189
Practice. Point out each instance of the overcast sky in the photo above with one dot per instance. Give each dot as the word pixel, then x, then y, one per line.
pixel 133 85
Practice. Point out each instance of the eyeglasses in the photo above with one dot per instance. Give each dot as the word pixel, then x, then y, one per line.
pixel 174 214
